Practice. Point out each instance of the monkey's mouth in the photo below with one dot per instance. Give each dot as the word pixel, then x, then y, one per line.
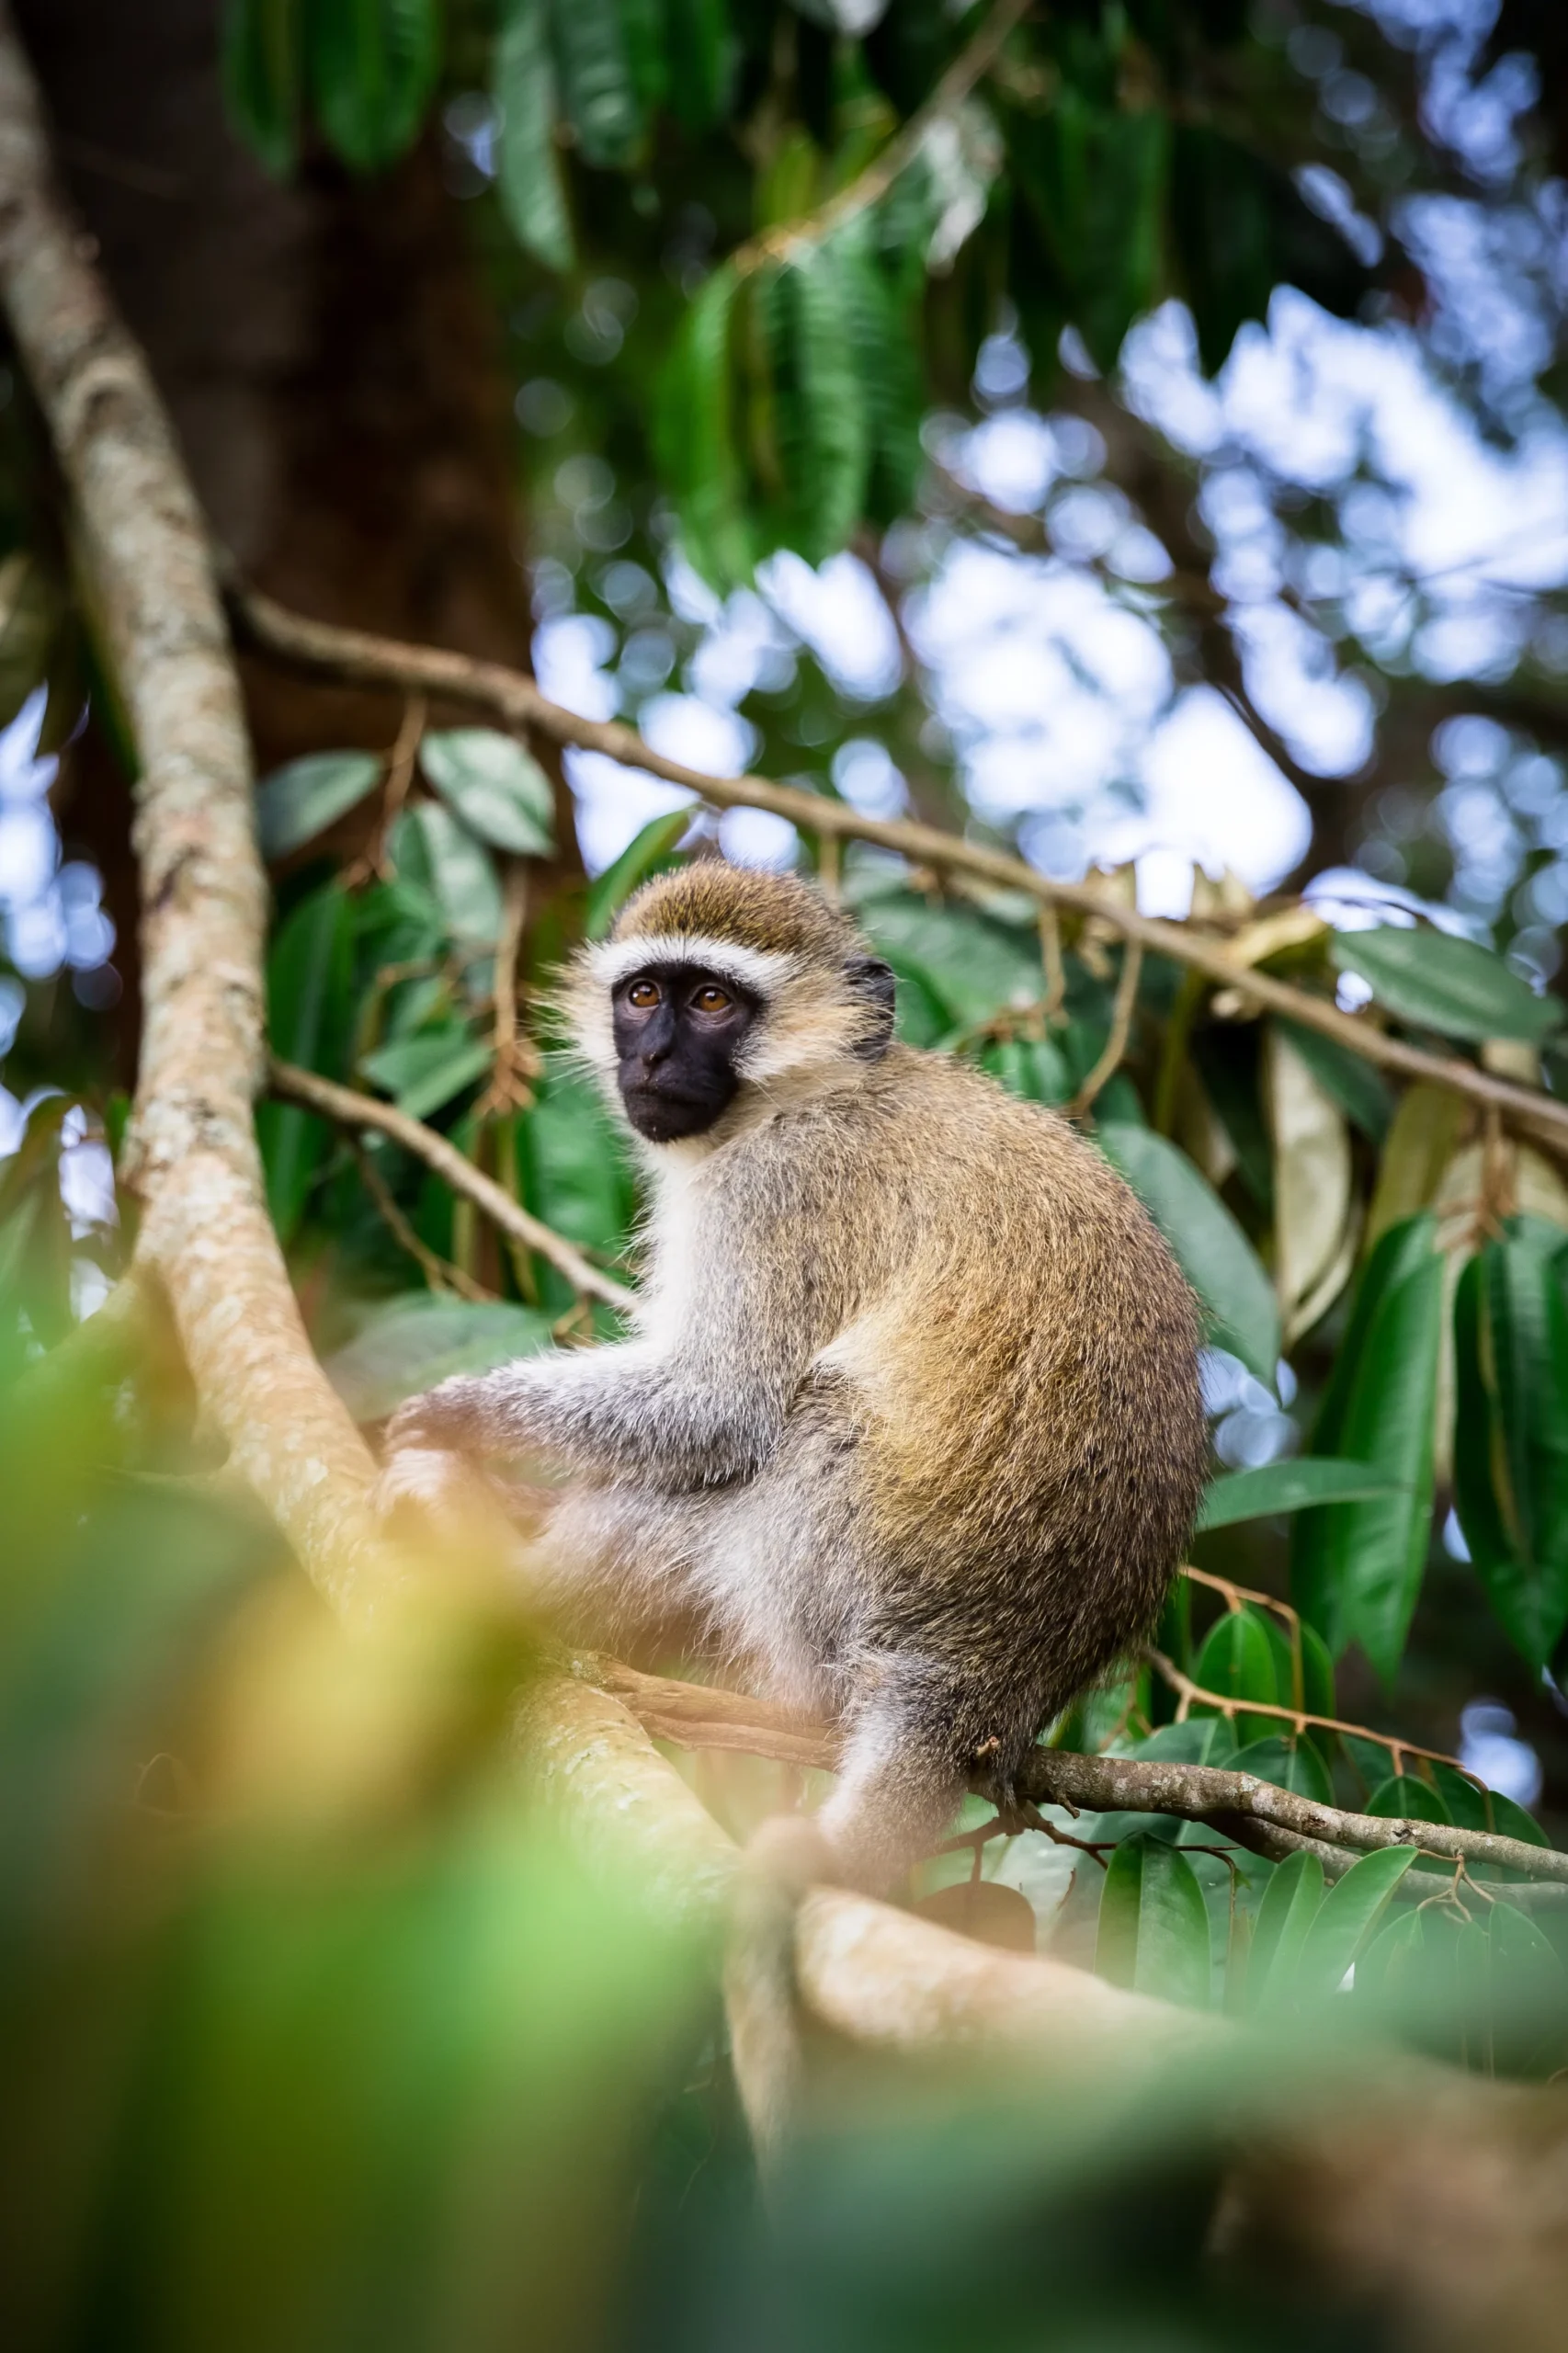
pixel 665 1114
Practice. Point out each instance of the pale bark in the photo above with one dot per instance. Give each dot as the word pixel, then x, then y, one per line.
pixel 192 1155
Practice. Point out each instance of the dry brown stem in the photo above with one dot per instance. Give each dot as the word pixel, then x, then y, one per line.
pixel 515 699
pixel 348 1108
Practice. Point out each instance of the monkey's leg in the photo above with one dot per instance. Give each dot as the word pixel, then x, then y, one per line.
pixel 904 1774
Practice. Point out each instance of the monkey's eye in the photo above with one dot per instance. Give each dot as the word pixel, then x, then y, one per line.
pixel 710 999
pixel 643 995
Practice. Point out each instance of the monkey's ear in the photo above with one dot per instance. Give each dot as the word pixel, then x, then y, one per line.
pixel 872 983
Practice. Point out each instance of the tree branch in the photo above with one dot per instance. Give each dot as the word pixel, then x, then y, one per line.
pixel 192 1154
pixel 351 1109
pixel 518 703
pixel 695 1716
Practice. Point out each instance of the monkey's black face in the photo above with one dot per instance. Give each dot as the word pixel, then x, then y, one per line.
pixel 678 1032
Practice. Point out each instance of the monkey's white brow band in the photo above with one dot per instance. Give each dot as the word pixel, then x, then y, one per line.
pixel 761 971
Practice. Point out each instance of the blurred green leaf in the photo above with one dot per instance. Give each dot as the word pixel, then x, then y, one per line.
pixel 497 789
pixel 1295 1485
pixel 701 53
pixel 1349 1918
pixel 1290 1905
pixel 572 1170
pixel 1357 1567
pixel 822 425
pixel 1511 1821
pixel 652 851
pixel 527 168
pixel 1090 198
pixel 310 999
pixel 976 965
pixel 300 800
pixel 421 1339
pixel 1361 1092
pixel 372 67
pixel 1214 1253
pixel 461 872
pixel 1154 1924
pixel 1511 1431
pixel 1200 1740
pixel 695 437
pixel 423 1072
pixel 262 77
pixel 598 93
pixel 1440 983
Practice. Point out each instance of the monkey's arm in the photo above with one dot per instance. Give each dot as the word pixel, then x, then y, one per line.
pixel 705 1406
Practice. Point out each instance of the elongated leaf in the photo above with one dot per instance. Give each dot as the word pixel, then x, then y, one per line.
pixel 462 873
pixel 1237 1663
pixel 1350 1916
pixel 696 438
pixel 1420 1147
pixel 1291 1904
pixel 1214 1253
pixel 573 1173
pixel 497 789
pixel 1312 1197
pixel 372 67
pixel 528 169
pixel 1528 1991
pixel 823 429
pixel 424 1072
pixel 1201 1740
pixel 701 53
pixel 1296 1485
pixel 598 93
pixel 1361 1093
pixel 650 852
pixel 976 965
pixel 263 72
pixel 417 1340
pixel 309 985
pixel 1357 1567
pixel 1511 1431
pixel 1291 1763
pixel 302 800
pixel 1154 1925
pixel 1440 983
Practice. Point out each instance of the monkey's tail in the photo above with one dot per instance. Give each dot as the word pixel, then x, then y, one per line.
pixel 761 2000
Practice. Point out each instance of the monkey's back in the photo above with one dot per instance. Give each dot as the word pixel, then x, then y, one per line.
pixel 1020 1368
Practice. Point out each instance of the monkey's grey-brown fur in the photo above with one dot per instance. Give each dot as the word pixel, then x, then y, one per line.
pixel 912 1416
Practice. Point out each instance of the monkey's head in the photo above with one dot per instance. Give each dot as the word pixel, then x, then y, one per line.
pixel 723 987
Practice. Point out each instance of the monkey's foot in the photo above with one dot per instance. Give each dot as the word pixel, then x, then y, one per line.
pixel 428 1498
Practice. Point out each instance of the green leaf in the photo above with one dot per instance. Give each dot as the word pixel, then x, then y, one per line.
pixel 1439 983
pixel 1404 1796
pixel 1214 1253
pixel 1296 1485
pixel 300 800
pixel 598 93
pixel 573 1171
pixel 372 67
pixel 1291 1904
pixel 1237 1663
pixel 976 965
pixel 1511 1431
pixel 498 789
pixel 1360 1092
pixel 309 995
pixel 1349 1918
pixel 701 53
pixel 421 1339
pixel 650 852
pixel 527 168
pixel 1291 1763
pixel 1357 1567
pixel 1154 1924
pixel 695 438
pixel 823 429
pixel 1090 210
pixel 423 1072
pixel 263 71
pixel 1201 1740
pixel 1528 1990
pixel 462 872
pixel 1511 1821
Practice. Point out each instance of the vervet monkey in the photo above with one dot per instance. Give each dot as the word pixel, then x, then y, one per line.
pixel 911 1419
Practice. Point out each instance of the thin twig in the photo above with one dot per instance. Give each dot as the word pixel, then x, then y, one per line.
pixel 516 1057
pixel 438 1272
pixel 1051 957
pixel 790 239
pixel 514 697
pixel 373 864
pixel 350 1109
pixel 1122 1014
pixel 1193 1694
